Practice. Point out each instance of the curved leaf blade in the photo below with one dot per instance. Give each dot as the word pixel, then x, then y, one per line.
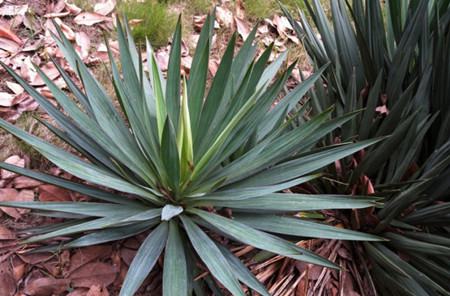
pixel 212 256
pixel 144 260
pixel 175 279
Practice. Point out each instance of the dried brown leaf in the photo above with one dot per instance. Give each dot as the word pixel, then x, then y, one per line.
pixel 46 286
pixel 239 9
pixel 58 6
pixel 56 9
pixel 35 258
pixel 70 34
pixel 282 24
pixel 53 193
pixel 97 291
pixel 242 27
pixel 9 45
pixel 14 160
pixel 127 255
pixel 6 99
pixel 6 234
pixel 29 104
pixel 83 44
pixel 9 194
pixel 134 22
pixel 72 8
pixel 31 22
pixel 7 33
pixel 95 273
pixel 293 38
pixel 9 114
pixel 78 292
pixel 198 21
pixel 57 14
pixel 7 282
pixel 12 10
pixel 347 284
pixel 88 254
pixel 22 182
pixel 224 16
pixel 50 70
pixel 18 268
pixel 186 63
pixel 296 75
pixel 263 30
pixel 213 66
pixel 14 87
pixel 105 8
pixel 162 58
pixel 27 70
pixel 382 110
pixel 90 18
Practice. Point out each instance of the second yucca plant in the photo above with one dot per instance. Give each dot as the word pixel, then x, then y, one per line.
pixel 178 155
pixel 391 59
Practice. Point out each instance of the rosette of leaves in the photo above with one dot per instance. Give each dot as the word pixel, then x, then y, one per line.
pixel 186 163
pixel 391 59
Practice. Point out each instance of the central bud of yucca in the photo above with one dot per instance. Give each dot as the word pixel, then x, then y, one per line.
pixel 170 211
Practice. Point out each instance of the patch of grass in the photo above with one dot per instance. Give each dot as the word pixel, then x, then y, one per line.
pixel 103 74
pixel 84 4
pixel 7 147
pixel 190 7
pixel 199 6
pixel 148 18
pixel 260 9
pixel 13 146
pixel 28 123
pixel 298 52
pixel 194 6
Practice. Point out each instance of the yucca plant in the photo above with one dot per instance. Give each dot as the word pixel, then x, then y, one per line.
pixel 391 59
pixel 177 154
